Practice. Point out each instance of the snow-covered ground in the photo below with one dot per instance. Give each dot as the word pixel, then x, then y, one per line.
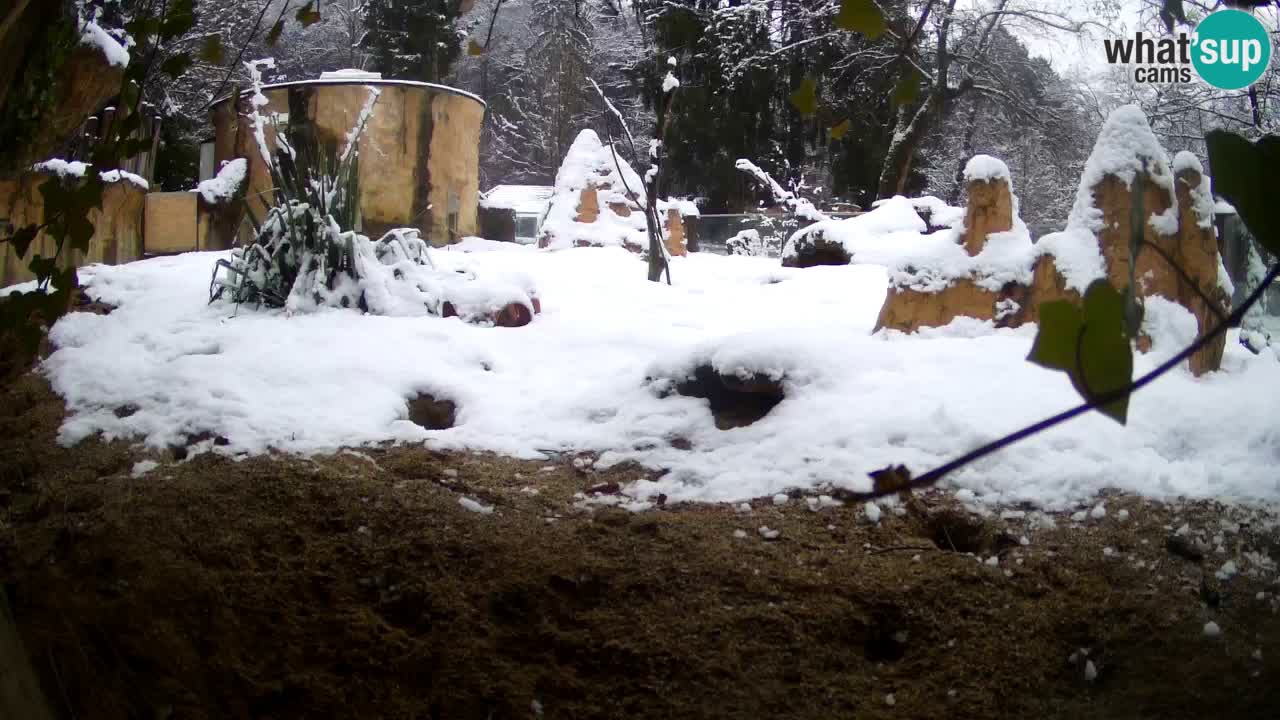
pixel 586 375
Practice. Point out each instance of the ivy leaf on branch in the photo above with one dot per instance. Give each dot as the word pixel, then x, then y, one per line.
pixel 1171 11
pixel 176 65
pixel 273 35
pixel 1090 345
pixel 179 20
pixel 862 16
pixel 805 98
pixel 211 51
pixel 42 267
pixel 1242 173
pixel 308 15
pixel 908 87
pixel 22 239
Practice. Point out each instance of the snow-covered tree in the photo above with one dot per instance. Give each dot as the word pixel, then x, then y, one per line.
pixel 535 72
pixel 414 39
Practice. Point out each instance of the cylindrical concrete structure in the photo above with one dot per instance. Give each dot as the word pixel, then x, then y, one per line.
pixel 419 155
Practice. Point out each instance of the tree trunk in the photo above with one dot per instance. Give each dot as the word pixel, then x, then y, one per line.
pixel 907 137
pixel 966 152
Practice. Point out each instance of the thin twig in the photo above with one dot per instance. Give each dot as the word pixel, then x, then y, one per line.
pixel 898 548
pixel 1213 307
pixel 488 39
pixel 248 41
pixel 933 476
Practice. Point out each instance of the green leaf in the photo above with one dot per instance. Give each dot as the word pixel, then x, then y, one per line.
pixel 79 231
pixel 176 65
pixel 1090 345
pixel 42 267
pixel 862 16
pixel 1055 343
pixel 475 48
pixel 805 98
pixel 55 195
pixel 308 15
pixel 178 20
pixel 840 129
pixel 1170 11
pixel 908 87
pixel 1243 173
pixel 143 27
pixel 1106 356
pixel 273 36
pixel 129 93
pixel 211 50
pixel 89 193
pixel 22 238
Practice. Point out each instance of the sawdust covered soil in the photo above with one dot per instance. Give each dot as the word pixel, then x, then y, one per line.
pixel 359 585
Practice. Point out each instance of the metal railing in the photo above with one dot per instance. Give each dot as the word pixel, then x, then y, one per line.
pixel 713 230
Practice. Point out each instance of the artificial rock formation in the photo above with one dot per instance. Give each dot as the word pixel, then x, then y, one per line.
pixel 600 201
pixel 1178 259
pixel 1190 244
pixel 990 210
pixel 588 212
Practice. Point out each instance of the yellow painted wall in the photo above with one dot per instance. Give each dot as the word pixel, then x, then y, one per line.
pixel 117 236
pixel 418 138
pixel 172 223
pixel 454 162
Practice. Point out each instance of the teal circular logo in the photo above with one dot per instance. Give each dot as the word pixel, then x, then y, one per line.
pixel 1231 49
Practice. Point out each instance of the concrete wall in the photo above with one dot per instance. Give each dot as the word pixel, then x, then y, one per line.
pixel 174 223
pixel 117 236
pixel 454 163
pixel 419 155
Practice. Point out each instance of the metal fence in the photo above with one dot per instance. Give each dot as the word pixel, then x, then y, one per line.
pixel 713 231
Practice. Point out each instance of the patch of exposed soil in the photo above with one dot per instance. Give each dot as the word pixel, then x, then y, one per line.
pixel 359 585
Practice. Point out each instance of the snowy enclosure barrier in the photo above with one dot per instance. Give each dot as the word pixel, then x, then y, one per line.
pixel 578 380
pixel 421 131
pixel 117 225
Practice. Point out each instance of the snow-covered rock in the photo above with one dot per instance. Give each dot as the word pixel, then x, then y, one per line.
pixel 226 184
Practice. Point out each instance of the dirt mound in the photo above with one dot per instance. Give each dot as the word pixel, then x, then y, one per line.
pixel 361 585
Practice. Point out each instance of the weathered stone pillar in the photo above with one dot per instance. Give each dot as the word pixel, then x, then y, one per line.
pixel 990 210
pixel 675 234
pixel 1198 256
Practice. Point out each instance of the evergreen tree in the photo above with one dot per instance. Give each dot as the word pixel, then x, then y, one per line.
pixel 414 39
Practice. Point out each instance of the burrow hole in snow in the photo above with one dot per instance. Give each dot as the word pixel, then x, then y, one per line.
pixel 432 413
pixel 735 401
pixel 956 531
